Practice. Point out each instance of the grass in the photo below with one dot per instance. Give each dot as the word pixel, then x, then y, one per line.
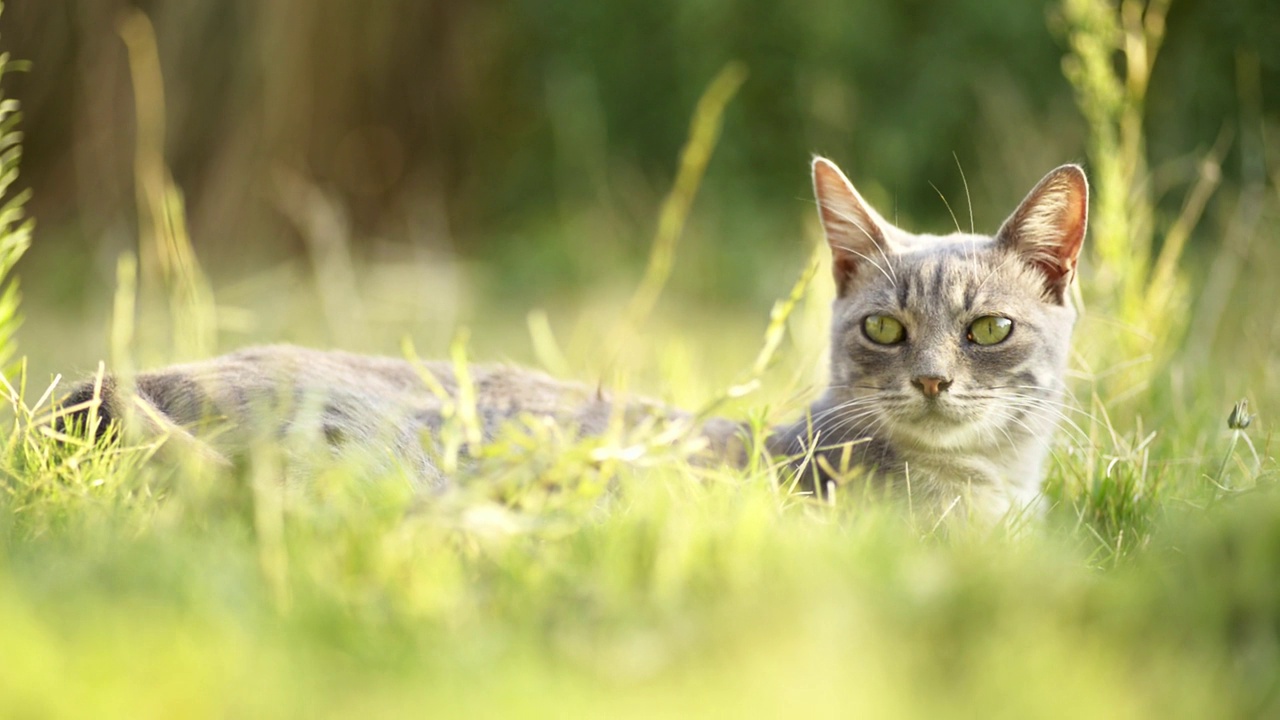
pixel 569 578
pixel 555 584
pixel 131 590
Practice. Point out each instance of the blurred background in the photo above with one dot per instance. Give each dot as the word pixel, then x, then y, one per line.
pixel 481 158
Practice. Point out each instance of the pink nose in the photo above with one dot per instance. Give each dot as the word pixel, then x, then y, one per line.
pixel 931 385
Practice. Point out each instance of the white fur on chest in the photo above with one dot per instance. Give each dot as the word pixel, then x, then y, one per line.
pixel 977 485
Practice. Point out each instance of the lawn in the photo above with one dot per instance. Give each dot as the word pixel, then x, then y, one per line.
pixel 559 580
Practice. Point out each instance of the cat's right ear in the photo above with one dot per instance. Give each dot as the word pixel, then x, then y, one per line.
pixel 855 232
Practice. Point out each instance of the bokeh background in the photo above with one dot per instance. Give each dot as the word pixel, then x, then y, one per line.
pixel 482 157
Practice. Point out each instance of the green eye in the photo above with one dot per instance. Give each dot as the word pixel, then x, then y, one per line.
pixel 883 330
pixel 990 329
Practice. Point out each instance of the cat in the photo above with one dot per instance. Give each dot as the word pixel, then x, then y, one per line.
pixel 380 409
pixel 946 378
pixel 948 353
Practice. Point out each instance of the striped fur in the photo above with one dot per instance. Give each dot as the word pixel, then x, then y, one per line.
pixel 387 411
pixel 977 448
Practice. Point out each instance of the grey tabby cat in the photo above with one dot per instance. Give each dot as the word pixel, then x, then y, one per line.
pixel 947 352
pixel 321 406
pixel 946 368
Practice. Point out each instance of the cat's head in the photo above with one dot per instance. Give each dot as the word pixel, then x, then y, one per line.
pixel 952 341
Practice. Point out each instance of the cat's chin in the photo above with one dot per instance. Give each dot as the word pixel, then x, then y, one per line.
pixel 939 430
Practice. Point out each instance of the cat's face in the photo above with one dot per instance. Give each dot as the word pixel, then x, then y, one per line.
pixel 957 341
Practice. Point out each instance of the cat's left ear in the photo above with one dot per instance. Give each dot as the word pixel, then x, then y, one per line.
pixel 1048 228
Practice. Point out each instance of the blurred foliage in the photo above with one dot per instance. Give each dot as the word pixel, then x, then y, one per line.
pixel 542 135
pixel 15 227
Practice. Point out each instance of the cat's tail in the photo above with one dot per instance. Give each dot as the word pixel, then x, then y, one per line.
pixel 91 408
pixel 98 408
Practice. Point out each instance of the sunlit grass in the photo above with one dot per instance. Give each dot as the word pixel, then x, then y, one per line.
pixel 554 582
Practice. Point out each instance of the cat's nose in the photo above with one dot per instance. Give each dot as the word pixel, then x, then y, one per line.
pixel 931 385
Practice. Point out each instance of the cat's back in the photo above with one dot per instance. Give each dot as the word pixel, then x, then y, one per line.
pixel 277 389
pixel 250 381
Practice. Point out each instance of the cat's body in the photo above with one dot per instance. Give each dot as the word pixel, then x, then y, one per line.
pixel 947 363
pixel 332 404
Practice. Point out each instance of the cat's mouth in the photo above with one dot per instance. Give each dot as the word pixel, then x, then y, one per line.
pixel 933 411
pixel 936 416
pixel 939 424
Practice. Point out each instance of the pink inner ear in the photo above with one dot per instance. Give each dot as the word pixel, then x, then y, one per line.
pixel 1074 217
pixel 1048 228
pixel 838 208
pixel 851 229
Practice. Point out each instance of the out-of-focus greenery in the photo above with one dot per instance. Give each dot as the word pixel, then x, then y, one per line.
pixel 535 145
pixel 15 227
pixel 538 136
pixel 519 150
